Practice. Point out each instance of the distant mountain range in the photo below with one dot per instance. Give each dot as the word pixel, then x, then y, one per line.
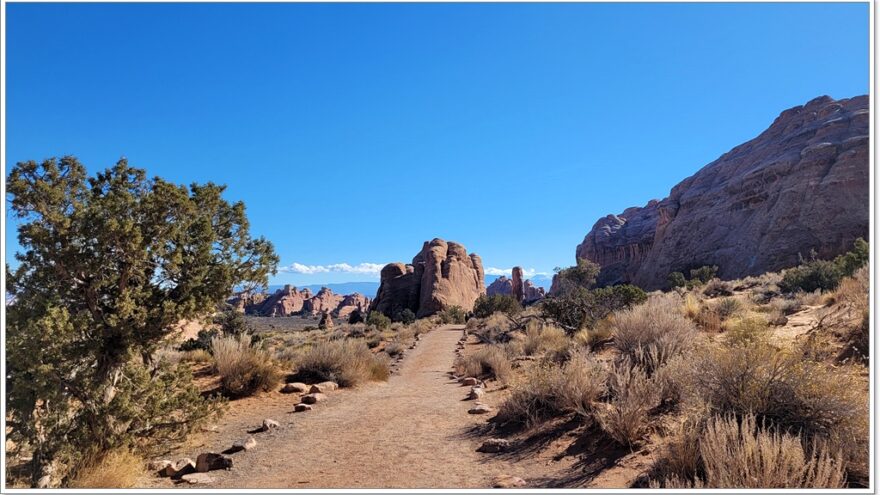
pixel 369 289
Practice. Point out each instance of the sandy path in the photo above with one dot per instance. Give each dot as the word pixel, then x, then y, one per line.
pixel 411 432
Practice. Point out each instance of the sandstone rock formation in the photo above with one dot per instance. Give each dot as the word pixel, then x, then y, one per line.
pixel 801 185
pixel 351 303
pixel 440 276
pixel 523 290
pixel 324 300
pixel 289 301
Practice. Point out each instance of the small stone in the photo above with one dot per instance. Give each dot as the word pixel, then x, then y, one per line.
pixel 494 445
pixel 179 468
pixel 323 387
pixel 313 398
pixel 246 444
pixel 476 393
pixel 270 424
pixel 480 409
pixel 198 478
pixel 508 481
pixel 210 461
pixel 157 466
pixel 294 388
pixel 302 408
pixel 469 381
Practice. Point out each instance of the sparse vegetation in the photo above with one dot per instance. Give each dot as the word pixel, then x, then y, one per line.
pixel 817 274
pixel 244 369
pixel 118 468
pixel 485 306
pixel 378 320
pixel 452 315
pixel 651 333
pixel 348 362
pixel 489 362
pixel 581 308
pixel 634 395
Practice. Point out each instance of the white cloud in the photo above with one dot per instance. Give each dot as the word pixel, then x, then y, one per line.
pixel 361 268
pixel 527 272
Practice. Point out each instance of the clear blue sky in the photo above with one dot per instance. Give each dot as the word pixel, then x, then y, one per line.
pixel 355 132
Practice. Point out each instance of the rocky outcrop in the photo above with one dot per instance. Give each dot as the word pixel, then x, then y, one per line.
pixel 324 301
pixel 802 185
pixel 350 304
pixel 440 276
pixel 501 286
pixel 289 301
pixel 523 290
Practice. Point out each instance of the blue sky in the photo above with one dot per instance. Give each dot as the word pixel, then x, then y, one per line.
pixel 354 132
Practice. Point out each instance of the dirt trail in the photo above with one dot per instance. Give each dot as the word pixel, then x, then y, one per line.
pixel 411 432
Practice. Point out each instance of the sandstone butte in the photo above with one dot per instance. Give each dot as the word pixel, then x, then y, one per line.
pixel 522 290
pixel 801 185
pixel 289 301
pixel 440 276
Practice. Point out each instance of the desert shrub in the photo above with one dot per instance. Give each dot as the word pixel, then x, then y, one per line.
pixel 347 362
pixel 824 275
pixel 691 306
pixel 493 329
pixel 579 307
pixel 118 468
pixel 704 273
pixel 244 369
pixel 716 288
pixel 745 329
pixel 533 399
pixel 405 316
pixel 634 395
pixel 728 307
pixel 488 362
pixel 749 375
pixel 581 276
pixel 378 320
pixel 202 341
pixel 453 315
pixel 602 331
pixel 582 383
pixel 394 349
pixel 543 339
pixel 708 319
pixel 676 280
pixel 732 452
pixel 656 328
pixel 198 356
pixel 785 306
pixel 487 305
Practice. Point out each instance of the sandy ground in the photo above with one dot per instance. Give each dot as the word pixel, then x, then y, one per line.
pixel 412 432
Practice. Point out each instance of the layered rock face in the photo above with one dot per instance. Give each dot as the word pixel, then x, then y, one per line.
pixel 802 185
pixel 289 301
pixel 440 276
pixel 523 290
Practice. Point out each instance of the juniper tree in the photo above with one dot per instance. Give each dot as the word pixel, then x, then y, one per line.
pixel 110 264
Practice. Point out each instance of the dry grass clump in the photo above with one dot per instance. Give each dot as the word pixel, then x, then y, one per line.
pixel 634 395
pixel 691 306
pixel 749 375
pixel 550 389
pixel 347 362
pixel 543 338
pixel 244 369
pixel 736 453
pixel 534 399
pixel 728 307
pixel 582 382
pixel 488 362
pixel 589 338
pixel 196 356
pixel 709 320
pixel 717 288
pixel 655 329
pixel 114 469
pixel 492 329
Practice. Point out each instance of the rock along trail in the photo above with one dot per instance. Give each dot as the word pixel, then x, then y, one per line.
pixel 411 432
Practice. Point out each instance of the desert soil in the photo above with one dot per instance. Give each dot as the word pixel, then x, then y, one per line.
pixel 412 432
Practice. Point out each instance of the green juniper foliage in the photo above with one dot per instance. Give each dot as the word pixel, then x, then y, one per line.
pixel 486 305
pixel 817 274
pixel 111 264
